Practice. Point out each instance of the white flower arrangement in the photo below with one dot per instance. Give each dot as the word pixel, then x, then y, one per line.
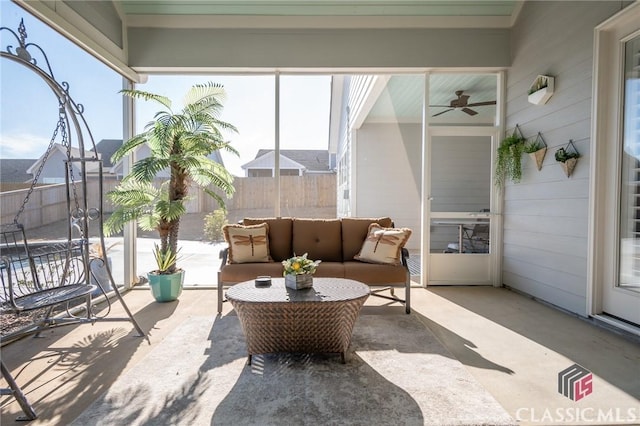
pixel 300 265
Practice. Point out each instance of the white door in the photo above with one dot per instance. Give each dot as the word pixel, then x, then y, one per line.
pixel 616 263
pixel 461 224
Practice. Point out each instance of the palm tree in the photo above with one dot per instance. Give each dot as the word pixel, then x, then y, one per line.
pixel 180 143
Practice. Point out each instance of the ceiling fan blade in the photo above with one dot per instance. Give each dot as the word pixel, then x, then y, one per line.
pixel 482 103
pixel 469 111
pixel 440 113
pixel 440 106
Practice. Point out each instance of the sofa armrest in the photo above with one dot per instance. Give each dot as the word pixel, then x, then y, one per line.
pixel 224 254
pixel 404 256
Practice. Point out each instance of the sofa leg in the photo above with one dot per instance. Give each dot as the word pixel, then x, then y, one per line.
pixel 220 294
pixel 407 298
pixel 406 302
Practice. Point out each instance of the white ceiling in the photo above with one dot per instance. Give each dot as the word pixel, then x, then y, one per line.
pixel 401 101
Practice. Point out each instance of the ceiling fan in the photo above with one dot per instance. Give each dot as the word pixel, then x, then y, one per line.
pixel 462 102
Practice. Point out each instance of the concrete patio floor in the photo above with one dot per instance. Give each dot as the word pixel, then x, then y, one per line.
pixel 514 346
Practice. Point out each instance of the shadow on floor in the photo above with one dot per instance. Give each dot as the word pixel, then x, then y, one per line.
pixel 611 356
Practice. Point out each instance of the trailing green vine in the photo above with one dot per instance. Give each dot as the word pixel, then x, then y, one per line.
pixel 509 164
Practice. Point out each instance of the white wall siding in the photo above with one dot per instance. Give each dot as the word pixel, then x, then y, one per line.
pixel 388 172
pixel 359 88
pixel 546 215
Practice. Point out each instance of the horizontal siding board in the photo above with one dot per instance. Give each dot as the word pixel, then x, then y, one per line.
pixel 537 259
pixel 562 280
pixel 561 109
pixel 546 225
pixel 567 207
pixel 550 294
pixel 549 190
pixel 552 244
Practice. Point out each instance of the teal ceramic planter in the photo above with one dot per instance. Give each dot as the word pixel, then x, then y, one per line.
pixel 166 288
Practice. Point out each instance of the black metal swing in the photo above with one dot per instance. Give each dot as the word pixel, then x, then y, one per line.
pixel 57 278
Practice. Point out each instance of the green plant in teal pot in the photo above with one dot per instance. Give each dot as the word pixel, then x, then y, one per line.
pixel 180 142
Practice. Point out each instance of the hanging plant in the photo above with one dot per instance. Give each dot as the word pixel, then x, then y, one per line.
pixel 536 149
pixel 568 157
pixel 509 164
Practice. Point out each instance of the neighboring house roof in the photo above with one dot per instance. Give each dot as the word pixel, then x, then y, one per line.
pixel 58 148
pixel 106 147
pixel 313 160
pixel 266 161
pixel 13 170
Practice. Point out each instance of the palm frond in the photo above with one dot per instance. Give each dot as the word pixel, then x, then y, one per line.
pixel 140 94
pixel 148 222
pixel 146 169
pixel 116 221
pixel 170 210
pixel 218 198
pixel 133 193
pixel 201 91
pixel 230 149
pixel 206 109
pixel 127 147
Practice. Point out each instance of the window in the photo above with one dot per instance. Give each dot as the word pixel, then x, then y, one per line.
pixel 629 238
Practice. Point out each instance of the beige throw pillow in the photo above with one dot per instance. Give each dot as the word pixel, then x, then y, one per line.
pixel 247 243
pixel 383 245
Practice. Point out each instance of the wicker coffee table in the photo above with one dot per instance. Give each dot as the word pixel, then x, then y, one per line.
pixel 278 319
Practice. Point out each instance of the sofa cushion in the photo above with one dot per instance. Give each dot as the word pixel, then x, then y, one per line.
pixel 279 236
pixel 247 243
pixel 354 231
pixel 236 272
pixel 376 274
pixel 330 270
pixel 321 239
pixel 383 245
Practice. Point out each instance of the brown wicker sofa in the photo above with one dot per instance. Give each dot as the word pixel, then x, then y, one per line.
pixel 333 241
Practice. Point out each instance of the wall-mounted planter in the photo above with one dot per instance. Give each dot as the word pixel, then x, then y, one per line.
pixel 568 158
pixel 537 149
pixel 569 165
pixel 541 90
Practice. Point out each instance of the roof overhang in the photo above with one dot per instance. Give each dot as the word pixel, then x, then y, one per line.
pixel 143 36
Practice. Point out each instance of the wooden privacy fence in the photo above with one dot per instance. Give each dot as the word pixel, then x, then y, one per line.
pixel 295 192
pixel 47 204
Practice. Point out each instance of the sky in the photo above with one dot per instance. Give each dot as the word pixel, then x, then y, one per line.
pixel 29 111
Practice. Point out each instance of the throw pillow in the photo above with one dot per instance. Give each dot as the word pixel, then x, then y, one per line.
pixel 383 245
pixel 247 243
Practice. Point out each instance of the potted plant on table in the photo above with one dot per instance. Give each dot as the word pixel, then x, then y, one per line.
pixel 298 271
pixel 180 144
